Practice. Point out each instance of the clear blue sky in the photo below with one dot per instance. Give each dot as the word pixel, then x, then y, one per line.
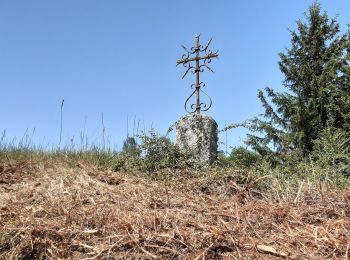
pixel 118 58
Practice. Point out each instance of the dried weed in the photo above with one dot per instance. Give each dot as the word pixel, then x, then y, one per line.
pixel 81 212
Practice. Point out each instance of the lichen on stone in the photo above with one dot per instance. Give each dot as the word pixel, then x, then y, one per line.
pixel 197 134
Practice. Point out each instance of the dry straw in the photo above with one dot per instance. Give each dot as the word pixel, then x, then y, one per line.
pixel 56 211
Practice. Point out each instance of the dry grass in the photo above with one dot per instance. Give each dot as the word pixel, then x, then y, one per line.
pixel 57 211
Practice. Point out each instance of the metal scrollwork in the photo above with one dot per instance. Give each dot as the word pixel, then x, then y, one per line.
pixel 197 68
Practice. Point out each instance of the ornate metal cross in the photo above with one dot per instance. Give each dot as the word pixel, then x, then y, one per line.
pixel 196 69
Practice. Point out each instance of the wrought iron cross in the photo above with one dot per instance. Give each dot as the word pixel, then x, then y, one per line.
pixel 196 69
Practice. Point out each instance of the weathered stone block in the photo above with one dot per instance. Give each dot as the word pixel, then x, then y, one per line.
pixel 197 134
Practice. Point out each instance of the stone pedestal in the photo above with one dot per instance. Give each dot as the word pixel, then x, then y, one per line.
pixel 197 134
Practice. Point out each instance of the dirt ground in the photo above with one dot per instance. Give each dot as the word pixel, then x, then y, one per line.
pixel 81 212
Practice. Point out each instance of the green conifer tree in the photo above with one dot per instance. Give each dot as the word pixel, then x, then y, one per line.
pixel 317 82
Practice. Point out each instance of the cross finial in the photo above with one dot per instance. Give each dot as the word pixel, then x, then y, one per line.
pixel 196 69
pixel 197 37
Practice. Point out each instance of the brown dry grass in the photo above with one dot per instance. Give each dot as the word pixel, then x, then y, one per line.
pixel 57 211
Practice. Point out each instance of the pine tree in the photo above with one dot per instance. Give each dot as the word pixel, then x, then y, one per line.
pixel 317 82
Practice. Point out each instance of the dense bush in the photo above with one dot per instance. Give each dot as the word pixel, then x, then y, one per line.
pixel 243 157
pixel 155 152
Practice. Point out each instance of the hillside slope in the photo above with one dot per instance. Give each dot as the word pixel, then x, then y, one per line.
pixel 63 211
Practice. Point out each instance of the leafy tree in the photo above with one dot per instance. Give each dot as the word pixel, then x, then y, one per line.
pixel 317 82
pixel 130 146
